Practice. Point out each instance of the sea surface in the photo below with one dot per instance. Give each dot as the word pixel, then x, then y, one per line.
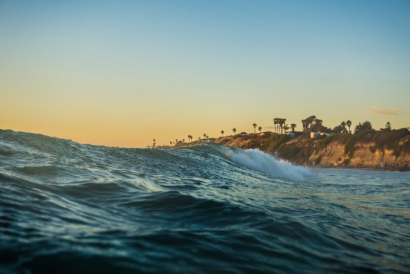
pixel 72 208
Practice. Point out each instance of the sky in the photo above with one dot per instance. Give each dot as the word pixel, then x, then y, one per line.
pixel 122 73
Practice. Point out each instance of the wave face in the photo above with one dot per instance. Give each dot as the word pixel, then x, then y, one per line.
pixel 257 160
pixel 72 208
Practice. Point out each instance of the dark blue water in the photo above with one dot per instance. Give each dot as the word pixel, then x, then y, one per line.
pixel 72 208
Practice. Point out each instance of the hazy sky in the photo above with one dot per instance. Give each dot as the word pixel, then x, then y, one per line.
pixel 121 73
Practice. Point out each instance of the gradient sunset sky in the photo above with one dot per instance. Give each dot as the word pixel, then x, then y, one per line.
pixel 121 73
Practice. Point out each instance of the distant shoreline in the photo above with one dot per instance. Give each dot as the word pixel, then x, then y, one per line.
pixel 364 151
pixel 370 168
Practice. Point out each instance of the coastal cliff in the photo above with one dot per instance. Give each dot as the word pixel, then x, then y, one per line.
pixel 363 149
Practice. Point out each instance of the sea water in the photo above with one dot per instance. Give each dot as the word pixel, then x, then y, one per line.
pixel 72 208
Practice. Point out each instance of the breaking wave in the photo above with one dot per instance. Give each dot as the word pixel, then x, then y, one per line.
pixel 265 163
pixel 72 208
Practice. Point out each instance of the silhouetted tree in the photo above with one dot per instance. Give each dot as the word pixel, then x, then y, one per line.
pixel 222 132
pixel 293 127
pixel 325 129
pixel 343 124
pixel 282 122
pixel 276 123
pixel 349 124
pixel 306 124
pixel 190 137
pixel 254 127
pixel 318 125
pixel 337 129
pixel 260 129
pixel 279 121
pixel 362 127
pixel 388 125
pixel 234 130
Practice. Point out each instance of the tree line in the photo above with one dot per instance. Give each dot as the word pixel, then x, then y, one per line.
pixel 310 124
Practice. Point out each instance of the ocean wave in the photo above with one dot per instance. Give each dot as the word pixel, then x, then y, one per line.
pixel 265 163
pixel 67 207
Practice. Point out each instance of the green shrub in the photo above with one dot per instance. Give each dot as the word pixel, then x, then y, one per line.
pixel 289 152
pixel 275 141
pixel 323 143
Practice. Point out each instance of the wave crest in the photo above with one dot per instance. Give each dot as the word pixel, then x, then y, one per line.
pixel 257 160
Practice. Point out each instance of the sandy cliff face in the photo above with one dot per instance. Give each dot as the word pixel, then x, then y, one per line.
pixel 368 150
pixel 334 155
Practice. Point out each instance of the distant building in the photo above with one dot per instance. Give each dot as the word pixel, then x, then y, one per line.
pixel 314 134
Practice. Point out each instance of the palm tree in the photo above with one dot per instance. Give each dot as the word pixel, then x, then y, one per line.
pixel 282 123
pixel 234 130
pixel 306 123
pixel 190 137
pixel 222 132
pixel 275 122
pixel 310 119
pixel 293 127
pixel 388 125
pixel 260 129
pixel 183 140
pixel 318 125
pixel 349 124
pixel 170 142
pixel 254 127
pixel 278 122
pixel 205 136
pixel 343 124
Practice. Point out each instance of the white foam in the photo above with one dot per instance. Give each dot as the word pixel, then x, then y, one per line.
pixel 149 185
pixel 257 160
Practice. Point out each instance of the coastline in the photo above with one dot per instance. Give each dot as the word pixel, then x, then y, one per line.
pixel 346 151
